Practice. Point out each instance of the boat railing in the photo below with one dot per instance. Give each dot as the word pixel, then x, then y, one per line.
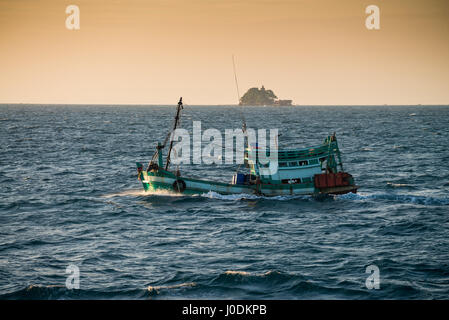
pixel 294 154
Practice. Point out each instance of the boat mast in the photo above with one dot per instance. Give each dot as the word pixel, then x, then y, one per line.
pixel 178 112
pixel 238 96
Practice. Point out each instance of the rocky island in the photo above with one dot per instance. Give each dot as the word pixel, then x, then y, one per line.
pixel 262 97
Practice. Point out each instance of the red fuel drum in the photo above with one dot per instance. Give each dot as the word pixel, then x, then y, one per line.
pixel 320 180
pixel 330 180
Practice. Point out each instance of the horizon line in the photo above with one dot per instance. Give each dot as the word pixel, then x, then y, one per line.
pixel 211 105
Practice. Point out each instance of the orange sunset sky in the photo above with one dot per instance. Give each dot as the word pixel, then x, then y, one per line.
pixel 152 52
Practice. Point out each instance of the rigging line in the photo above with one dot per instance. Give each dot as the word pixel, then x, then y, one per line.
pixel 238 96
pixel 177 119
pixel 235 78
pixel 167 137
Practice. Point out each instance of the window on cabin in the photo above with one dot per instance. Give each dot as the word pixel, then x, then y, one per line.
pixel 313 161
pixel 282 164
pixel 293 164
pixel 303 163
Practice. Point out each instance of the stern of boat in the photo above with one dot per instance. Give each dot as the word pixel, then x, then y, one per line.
pixel 335 183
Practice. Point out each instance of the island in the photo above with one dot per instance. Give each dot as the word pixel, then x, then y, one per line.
pixel 262 97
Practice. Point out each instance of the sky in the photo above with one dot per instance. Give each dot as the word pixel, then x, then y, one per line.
pixel 315 52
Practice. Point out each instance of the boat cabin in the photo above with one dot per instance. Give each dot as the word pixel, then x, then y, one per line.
pixel 293 165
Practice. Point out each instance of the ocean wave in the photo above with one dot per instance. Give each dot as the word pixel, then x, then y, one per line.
pixel 415 199
pixel 141 193
pixel 238 284
pixel 241 273
pixel 400 147
pixel 400 185
pixel 157 289
pixel 58 292
pixel 235 276
pixel 246 273
pixel 244 196
pixel 209 195
pixel 273 283
pixel 405 227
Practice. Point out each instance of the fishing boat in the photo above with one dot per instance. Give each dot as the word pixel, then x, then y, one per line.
pixel 313 171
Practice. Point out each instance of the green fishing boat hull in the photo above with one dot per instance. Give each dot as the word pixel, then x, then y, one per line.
pixel 162 180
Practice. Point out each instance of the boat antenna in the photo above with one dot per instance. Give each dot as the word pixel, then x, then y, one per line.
pixel 177 118
pixel 238 96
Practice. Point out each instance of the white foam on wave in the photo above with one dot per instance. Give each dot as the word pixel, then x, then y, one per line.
pixel 352 196
pixel 174 286
pixel 245 196
pixel 210 195
pixel 407 198
pixel 163 193
pixel 398 185
pixel 141 193
pixel 240 273
pixel 39 286
pixel 124 193
pixel 245 273
pixel 234 197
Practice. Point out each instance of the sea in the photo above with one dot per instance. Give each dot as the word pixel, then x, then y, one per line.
pixel 75 222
